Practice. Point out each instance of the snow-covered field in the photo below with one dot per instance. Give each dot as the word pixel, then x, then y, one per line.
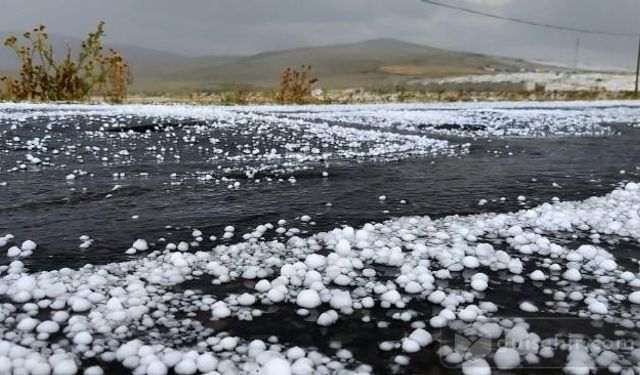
pixel 560 81
pixel 177 305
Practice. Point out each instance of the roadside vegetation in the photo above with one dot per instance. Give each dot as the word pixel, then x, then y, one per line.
pixel 375 95
pixel 42 77
pixel 296 86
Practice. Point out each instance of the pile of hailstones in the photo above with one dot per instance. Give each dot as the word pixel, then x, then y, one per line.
pixel 132 312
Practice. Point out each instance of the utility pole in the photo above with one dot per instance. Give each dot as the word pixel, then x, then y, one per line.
pixel 637 68
pixel 577 53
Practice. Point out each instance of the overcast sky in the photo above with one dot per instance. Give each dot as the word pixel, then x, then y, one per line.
pixel 218 27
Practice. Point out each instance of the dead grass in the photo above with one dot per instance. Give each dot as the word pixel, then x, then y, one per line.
pixel 391 95
pixel 429 70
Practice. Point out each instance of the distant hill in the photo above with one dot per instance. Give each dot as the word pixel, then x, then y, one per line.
pixel 370 64
pixel 139 57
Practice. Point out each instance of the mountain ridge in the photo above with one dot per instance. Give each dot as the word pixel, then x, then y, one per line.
pixel 372 63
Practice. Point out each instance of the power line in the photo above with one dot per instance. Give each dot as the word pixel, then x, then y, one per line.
pixel 527 22
pixel 547 26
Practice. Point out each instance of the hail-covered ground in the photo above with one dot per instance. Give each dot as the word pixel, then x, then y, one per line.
pixel 551 81
pixel 471 238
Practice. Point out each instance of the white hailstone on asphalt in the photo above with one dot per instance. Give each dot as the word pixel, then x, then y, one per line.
pixel 309 299
pixel 368 302
pixel 65 367
pixel 555 267
pixel 325 174
pixel 422 337
pixel 220 310
pixel 305 218
pixel 528 307
pixel 588 252
pixel 295 353
pixel 48 326
pixel 413 287
pixel 246 299
pixel 70 177
pixel 206 363
pixel 476 366
pixel 391 296
pixel 538 275
pixel 386 346
pixel 479 285
pixel 82 338
pixel 275 295
pixel 491 330
pixel 186 366
pixel 453 358
pixel 470 262
pixel 171 357
pixel 515 266
pixel 506 358
pixel 81 305
pixel 579 362
pixel 479 282
pixel 93 370
pixel 28 245
pixel 276 366
pixel 327 318
pixel 598 307
pixel 368 272
pixel 482 202
pixel 522 198
pixel 467 314
pixel 140 245
pixel 437 296
pixel 382 198
pixel 13 252
pixel 5 365
pixel 410 346
pixel 572 274
pixel 315 261
pixel 576 296
pixel 262 286
pixel 342 280
pixel 343 248
pixel 438 322
pixel 27 324
pixel 157 367
pixel 546 352
pixel 635 297
pixel 340 299
pixel 516 335
pixel 608 265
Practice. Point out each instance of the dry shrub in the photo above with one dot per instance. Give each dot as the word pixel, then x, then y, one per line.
pixel 295 86
pixel 236 96
pixel 42 78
